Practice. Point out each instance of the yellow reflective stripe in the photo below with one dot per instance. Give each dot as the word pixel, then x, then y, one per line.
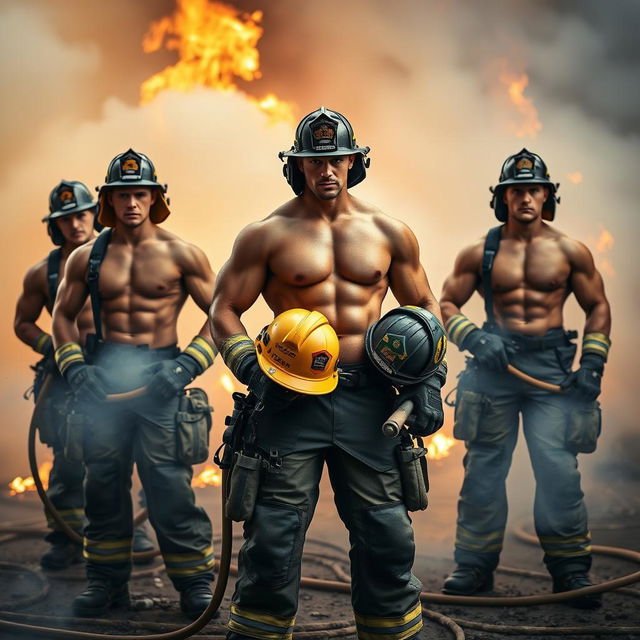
pixel 67 347
pixel 482 547
pixel 115 557
pixel 42 339
pixel 108 544
pixel 597 337
pixel 377 621
pixel 191 570
pixel 585 537
pixel 206 346
pixel 186 557
pixel 569 554
pixel 596 342
pixel 458 327
pixel 230 343
pixel 401 635
pixel 258 633
pixel 198 357
pixel 275 621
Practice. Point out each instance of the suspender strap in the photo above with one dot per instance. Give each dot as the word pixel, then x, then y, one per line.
pixel 491 246
pixel 53 273
pixel 98 252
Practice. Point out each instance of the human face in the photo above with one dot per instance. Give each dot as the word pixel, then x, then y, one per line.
pixel 77 228
pixel 132 204
pixel 326 176
pixel 525 201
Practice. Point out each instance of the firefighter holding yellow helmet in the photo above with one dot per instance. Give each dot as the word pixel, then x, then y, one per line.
pixel 324 262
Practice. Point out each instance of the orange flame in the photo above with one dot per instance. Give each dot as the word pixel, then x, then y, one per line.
pixel 575 177
pixel 22 485
pixel 604 245
pixel 516 84
pixel 227 383
pixel 439 446
pixel 216 44
pixel 208 477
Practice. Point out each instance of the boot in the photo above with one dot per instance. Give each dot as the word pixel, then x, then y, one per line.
pixel 577 580
pixel 465 581
pixel 194 600
pixel 61 555
pixel 99 597
pixel 141 543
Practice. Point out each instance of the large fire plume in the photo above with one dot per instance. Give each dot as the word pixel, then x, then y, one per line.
pixel 516 83
pixel 208 477
pixel 22 485
pixel 439 446
pixel 216 45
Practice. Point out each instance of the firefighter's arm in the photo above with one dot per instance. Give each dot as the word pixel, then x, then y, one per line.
pixel 30 304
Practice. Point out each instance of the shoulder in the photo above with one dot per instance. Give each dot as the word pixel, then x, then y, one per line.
pixel 577 253
pixel 36 275
pixel 185 254
pixel 470 257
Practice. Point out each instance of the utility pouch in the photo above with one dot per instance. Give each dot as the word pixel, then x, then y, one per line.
pixel 468 414
pixel 584 423
pixel 193 423
pixel 243 487
pixel 46 418
pixel 412 462
pixel 74 436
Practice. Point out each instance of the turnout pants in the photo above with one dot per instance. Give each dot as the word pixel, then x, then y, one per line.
pixel 385 593
pixel 65 478
pixel 144 431
pixel 488 408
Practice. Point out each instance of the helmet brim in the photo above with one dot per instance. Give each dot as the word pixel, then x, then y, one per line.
pixel 327 154
pixel 61 213
pixel 316 387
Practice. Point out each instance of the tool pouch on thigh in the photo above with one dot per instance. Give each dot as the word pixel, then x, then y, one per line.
pixel 193 423
pixel 243 486
pixel 412 463
pixel 46 416
pixel 76 423
pixel 584 421
pixel 468 414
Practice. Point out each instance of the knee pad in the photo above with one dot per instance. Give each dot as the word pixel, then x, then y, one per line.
pixel 273 547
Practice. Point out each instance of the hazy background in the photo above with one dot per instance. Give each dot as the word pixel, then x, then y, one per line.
pixel 425 85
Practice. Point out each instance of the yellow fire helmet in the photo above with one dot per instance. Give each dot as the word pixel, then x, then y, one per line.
pixel 299 351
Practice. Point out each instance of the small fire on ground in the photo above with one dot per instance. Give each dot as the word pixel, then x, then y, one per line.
pixel 439 446
pixel 22 485
pixel 208 477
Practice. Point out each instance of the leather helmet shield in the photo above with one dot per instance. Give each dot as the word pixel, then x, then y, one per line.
pixel 299 351
pixel 130 169
pixel 524 167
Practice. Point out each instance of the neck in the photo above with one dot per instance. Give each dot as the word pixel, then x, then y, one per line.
pixel 68 247
pixel 523 230
pixel 134 235
pixel 327 209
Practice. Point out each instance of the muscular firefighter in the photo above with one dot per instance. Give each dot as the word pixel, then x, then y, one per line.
pixel 323 262
pixel 138 277
pixel 526 269
pixel 70 223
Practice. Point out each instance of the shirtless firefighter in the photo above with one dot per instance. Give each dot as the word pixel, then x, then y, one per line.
pixel 70 223
pixel 325 252
pixel 138 276
pixel 525 269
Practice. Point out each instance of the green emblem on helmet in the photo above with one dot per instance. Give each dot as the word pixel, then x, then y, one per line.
pixel 392 346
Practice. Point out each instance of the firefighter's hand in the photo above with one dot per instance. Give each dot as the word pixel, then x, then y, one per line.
pixel 588 378
pixel 273 396
pixel 488 349
pixel 427 415
pixel 170 377
pixel 85 382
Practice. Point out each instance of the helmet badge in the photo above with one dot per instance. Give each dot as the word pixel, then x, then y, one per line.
pixel 320 360
pixel 130 167
pixel 392 346
pixel 66 197
pixel 323 134
pixel 524 163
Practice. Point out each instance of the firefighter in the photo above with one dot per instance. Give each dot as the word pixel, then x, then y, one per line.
pixel 138 276
pixel 324 254
pixel 525 269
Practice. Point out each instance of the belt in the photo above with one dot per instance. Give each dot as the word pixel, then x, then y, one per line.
pixel 359 378
pixel 559 338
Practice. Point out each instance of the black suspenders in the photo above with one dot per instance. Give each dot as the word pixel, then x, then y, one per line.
pixel 53 273
pixel 98 252
pixel 491 246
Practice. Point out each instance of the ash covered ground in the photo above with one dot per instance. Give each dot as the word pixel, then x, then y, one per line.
pixel 612 491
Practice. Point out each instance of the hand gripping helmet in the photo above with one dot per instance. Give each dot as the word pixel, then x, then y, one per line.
pixel 67 197
pixel 406 345
pixel 524 167
pixel 299 350
pixel 132 169
pixel 324 133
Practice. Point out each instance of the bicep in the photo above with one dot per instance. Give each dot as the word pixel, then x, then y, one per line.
pixel 30 304
pixel 200 280
pixel 73 290
pixel 463 281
